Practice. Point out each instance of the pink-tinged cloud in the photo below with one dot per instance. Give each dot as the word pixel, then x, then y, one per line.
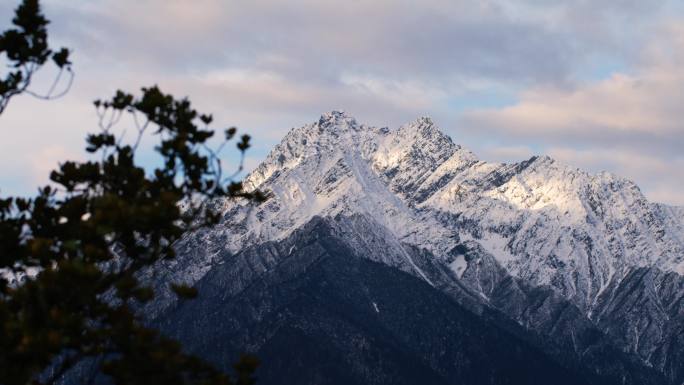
pixel 629 123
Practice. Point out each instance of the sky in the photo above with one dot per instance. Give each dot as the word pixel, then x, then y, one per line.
pixel 597 85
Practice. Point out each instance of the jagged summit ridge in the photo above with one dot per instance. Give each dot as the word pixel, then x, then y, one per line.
pixel 517 210
pixel 337 132
pixel 335 119
pixel 545 221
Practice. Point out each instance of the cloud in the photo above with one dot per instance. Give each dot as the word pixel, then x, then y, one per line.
pixel 646 104
pixel 506 153
pixel 518 42
pixel 404 94
pixel 629 123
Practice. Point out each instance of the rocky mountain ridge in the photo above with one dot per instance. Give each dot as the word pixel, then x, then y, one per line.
pixel 532 239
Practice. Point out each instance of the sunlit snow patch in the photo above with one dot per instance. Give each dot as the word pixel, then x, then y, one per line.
pixel 459 265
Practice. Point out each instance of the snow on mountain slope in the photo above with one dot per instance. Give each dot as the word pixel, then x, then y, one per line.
pixel 555 225
pixel 323 169
pixel 547 223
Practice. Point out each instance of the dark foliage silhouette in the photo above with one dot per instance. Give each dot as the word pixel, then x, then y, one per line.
pixel 70 256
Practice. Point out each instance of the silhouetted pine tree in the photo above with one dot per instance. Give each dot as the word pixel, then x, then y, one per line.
pixel 62 297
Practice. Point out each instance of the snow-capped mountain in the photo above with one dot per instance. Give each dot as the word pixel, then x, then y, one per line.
pixel 545 222
pixel 530 240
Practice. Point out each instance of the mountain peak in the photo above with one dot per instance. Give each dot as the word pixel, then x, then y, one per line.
pixel 336 118
pixel 425 120
pixel 424 128
pixel 422 123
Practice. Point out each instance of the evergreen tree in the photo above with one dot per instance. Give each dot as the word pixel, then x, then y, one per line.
pixel 70 256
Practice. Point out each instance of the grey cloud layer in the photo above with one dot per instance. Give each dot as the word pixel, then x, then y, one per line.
pixel 317 40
